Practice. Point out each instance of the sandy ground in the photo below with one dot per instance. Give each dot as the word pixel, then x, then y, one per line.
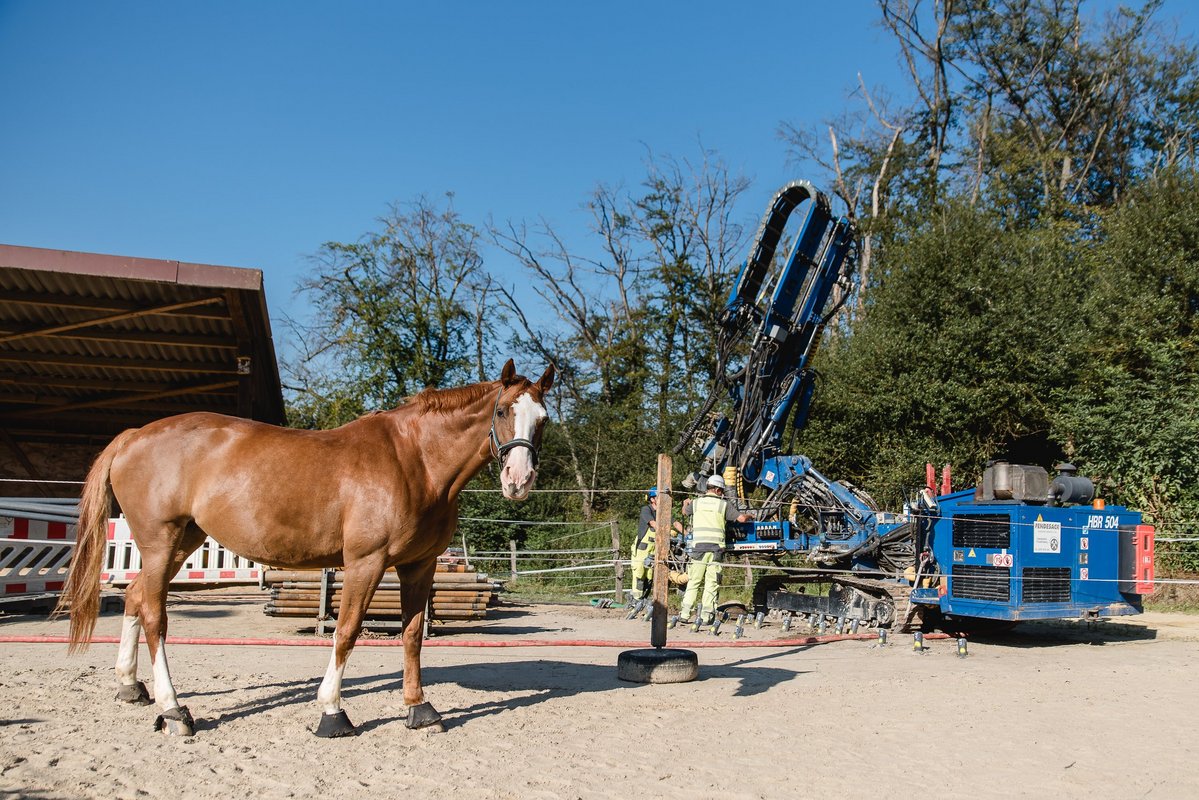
pixel 1058 711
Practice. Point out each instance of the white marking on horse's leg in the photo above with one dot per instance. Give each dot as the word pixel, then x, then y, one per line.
pixel 164 690
pixel 131 629
pixel 329 695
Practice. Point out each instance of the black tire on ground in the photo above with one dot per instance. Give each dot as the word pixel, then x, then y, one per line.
pixel 667 665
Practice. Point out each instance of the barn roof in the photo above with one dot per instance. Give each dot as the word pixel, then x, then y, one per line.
pixel 92 344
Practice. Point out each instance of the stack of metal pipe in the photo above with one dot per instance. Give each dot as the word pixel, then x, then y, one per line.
pixel 45 509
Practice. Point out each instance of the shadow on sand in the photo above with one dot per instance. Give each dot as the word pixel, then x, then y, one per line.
pixel 1049 633
pixel 522 684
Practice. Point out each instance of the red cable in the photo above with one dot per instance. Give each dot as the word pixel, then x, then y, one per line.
pixel 175 640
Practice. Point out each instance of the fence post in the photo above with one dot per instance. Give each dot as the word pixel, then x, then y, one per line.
pixel 749 572
pixel 617 560
pixel 512 548
pixel 661 579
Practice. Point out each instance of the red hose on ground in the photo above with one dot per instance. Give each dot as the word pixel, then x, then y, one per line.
pixel 176 640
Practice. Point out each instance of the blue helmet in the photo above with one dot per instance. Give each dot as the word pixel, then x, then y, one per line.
pixel 653 492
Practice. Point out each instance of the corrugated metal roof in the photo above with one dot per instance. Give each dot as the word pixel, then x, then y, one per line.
pixel 92 344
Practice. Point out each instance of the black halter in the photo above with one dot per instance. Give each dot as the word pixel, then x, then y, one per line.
pixel 499 450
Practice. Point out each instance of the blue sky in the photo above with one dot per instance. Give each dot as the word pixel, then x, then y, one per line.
pixel 249 133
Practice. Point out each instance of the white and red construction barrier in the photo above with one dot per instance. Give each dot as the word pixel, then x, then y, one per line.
pixel 212 563
pixel 34 555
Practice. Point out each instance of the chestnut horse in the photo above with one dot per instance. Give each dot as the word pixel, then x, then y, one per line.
pixel 377 493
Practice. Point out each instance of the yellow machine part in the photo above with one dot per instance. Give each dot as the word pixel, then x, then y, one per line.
pixel 926 581
pixel 732 477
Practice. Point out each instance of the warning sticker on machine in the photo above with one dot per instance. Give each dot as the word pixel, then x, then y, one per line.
pixel 1046 537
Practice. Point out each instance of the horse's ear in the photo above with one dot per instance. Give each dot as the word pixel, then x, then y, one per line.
pixel 508 374
pixel 547 379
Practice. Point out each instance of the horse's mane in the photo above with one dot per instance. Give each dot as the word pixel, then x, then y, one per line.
pixel 447 401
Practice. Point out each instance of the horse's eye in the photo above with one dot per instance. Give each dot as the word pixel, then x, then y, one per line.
pixel 499 413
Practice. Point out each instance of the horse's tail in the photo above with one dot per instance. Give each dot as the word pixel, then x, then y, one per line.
pixel 81 595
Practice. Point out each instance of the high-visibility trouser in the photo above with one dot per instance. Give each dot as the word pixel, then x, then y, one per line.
pixel 643 576
pixel 703 569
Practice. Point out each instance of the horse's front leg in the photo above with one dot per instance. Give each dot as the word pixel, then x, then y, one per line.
pixel 359 582
pixel 416 582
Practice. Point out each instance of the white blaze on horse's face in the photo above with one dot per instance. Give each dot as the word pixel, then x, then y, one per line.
pixel 518 474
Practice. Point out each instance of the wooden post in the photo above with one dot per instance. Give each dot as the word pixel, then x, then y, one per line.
pixel 659 664
pixel 617 561
pixel 661 579
pixel 512 549
pixel 326 601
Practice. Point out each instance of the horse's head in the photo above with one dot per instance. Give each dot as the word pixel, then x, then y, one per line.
pixel 516 426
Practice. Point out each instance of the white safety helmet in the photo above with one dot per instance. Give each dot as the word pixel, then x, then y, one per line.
pixel 715 482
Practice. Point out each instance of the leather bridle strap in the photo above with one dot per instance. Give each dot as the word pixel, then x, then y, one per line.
pixel 500 450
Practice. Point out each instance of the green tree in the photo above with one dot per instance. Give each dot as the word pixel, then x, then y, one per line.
pixel 983 202
pixel 685 218
pixel 1132 418
pixel 396 311
pixel 1036 107
pixel 632 326
pixel 958 358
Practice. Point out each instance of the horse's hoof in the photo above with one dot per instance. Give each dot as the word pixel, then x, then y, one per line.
pixel 333 726
pixel 424 716
pixel 134 693
pixel 176 722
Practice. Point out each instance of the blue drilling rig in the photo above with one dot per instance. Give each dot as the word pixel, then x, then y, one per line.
pixel 1019 546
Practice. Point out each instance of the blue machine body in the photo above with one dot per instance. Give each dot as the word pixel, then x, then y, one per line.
pixel 996 559
pixel 1011 560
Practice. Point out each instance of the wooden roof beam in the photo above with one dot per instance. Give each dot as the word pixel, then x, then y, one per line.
pixel 164 338
pixel 109 318
pixel 72 382
pixel 82 303
pixel 135 398
pixel 113 362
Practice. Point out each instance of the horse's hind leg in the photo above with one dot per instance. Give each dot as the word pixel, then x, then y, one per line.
pixel 416 582
pixel 129 688
pixel 358 587
pixel 161 559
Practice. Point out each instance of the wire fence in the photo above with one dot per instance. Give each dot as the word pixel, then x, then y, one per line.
pixel 605 570
pixel 751 503
pixel 557 554
pixel 587 571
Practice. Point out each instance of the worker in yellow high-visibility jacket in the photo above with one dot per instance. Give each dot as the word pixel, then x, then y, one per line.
pixel 710 514
pixel 645 547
